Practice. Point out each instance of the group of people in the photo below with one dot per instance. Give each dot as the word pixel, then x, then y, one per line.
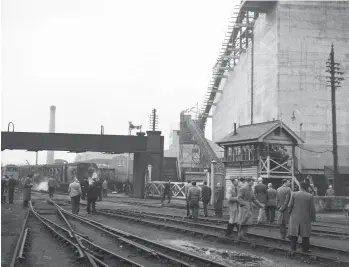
pixel 8 184
pixel 92 189
pixel 194 194
pixel 296 209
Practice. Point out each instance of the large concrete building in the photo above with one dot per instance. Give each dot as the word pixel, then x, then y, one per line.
pixel 284 73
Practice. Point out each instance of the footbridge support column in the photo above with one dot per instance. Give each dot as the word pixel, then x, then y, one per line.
pixel 153 156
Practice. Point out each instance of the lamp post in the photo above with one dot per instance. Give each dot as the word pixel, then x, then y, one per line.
pixel 213 165
pixel 293 118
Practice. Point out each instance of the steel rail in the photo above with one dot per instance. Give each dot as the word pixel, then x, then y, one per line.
pixel 335 225
pixel 84 238
pixel 67 241
pixel 212 227
pixel 342 225
pixel 24 244
pixel 311 257
pixel 57 234
pixel 119 257
pixel 19 241
pixel 111 232
pixel 161 250
pixel 90 259
pixel 205 221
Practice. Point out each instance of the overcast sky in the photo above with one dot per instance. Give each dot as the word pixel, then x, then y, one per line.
pixel 105 62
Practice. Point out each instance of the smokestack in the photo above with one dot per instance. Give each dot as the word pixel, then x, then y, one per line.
pixel 51 154
pixel 235 129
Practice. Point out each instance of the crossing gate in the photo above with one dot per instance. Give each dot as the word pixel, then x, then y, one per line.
pixel 156 189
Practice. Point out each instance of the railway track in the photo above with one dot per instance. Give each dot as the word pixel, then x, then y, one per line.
pixel 158 254
pixel 19 252
pixel 342 233
pixel 343 226
pixel 320 254
pixel 334 225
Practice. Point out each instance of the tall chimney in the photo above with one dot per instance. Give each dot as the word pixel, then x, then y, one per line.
pixel 235 129
pixel 51 154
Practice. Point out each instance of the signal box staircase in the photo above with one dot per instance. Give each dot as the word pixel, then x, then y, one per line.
pixel 204 145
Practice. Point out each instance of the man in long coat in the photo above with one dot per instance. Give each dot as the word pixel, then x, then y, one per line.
pixel 282 199
pixel 261 193
pixel 92 195
pixel 233 207
pixel 186 190
pixel 219 199
pixel 84 188
pixel 11 189
pixel 194 196
pixel 271 204
pixel 206 197
pixel 246 198
pixel 27 190
pixel 52 184
pixel 167 192
pixel 3 187
pixel 302 214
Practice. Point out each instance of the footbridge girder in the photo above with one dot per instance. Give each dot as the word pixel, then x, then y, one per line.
pixel 148 149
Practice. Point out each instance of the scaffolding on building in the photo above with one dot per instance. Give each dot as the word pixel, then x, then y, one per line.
pixel 195 153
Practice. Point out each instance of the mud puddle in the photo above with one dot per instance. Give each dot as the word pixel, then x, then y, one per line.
pixel 229 257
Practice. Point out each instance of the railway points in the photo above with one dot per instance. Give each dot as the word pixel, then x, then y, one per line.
pixel 320 252
pixel 317 229
pixel 98 232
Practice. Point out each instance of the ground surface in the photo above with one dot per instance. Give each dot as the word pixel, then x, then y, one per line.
pixel 44 251
pixel 12 217
pixel 233 256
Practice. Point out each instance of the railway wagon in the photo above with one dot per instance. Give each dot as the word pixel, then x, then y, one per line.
pixel 63 173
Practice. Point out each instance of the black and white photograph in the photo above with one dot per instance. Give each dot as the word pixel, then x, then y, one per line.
pixel 174 133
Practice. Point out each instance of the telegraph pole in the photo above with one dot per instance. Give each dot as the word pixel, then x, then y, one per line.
pixel 153 120
pixel 334 81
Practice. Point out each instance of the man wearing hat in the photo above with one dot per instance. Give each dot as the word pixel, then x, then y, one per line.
pixel 27 190
pixel 246 198
pixel 219 199
pixel 92 191
pixel 52 184
pixel 233 207
pixel 3 187
pixel 11 189
pixel 261 193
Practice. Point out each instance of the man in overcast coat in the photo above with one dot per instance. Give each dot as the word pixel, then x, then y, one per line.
pixel 302 214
